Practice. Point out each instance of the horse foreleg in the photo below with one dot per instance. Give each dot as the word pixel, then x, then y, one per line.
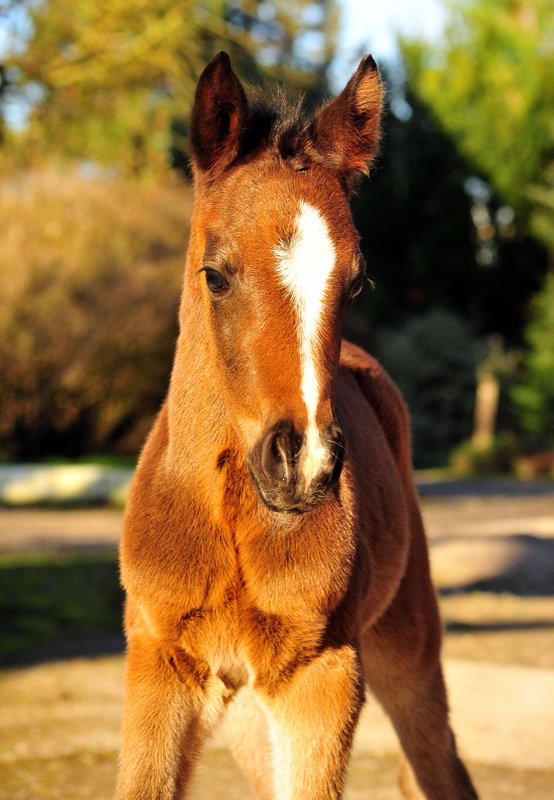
pixel 312 715
pixel 171 705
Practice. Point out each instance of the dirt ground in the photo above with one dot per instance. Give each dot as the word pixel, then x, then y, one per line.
pixel 493 563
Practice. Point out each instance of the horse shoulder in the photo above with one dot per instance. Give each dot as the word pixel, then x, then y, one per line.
pixel 172 555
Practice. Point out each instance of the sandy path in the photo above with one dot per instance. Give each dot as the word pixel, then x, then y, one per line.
pixel 59 726
pixel 45 529
pixel 60 714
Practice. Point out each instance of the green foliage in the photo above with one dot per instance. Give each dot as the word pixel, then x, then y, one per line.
pixel 497 458
pixel 534 396
pixel 414 219
pixel 491 86
pixel 51 598
pixel 421 245
pixel 433 359
pixel 89 291
pixel 543 213
pixel 114 76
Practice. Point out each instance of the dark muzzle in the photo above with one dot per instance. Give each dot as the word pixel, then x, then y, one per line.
pixel 276 465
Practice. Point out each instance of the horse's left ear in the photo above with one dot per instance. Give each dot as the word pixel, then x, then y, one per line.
pixel 219 116
pixel 344 133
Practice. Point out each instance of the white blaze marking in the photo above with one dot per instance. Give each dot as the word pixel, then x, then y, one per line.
pixel 305 266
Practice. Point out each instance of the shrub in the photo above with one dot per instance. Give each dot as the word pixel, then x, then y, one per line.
pixel 534 396
pixel 89 288
pixel 433 359
pixel 498 457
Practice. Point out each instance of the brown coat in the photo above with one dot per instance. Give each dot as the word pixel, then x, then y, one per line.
pixel 251 577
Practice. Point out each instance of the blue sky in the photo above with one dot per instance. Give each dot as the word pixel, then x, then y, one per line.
pixel 371 26
pixel 368 26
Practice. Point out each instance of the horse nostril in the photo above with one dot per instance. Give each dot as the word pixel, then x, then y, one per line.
pixel 292 472
pixel 335 443
pixel 279 454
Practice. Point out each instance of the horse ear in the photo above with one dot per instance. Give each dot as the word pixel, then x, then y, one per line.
pixel 344 133
pixel 219 116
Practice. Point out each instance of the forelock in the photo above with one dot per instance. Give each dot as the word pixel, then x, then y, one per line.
pixel 280 124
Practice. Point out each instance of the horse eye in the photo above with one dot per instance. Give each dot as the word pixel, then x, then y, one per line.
pixel 357 286
pixel 215 281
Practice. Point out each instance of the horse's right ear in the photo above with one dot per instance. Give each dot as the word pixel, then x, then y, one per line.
pixel 219 116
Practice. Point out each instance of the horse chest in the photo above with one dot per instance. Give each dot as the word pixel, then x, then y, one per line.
pixel 302 567
pixel 273 612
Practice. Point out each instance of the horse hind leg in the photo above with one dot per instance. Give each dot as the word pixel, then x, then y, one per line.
pixel 412 692
pixel 415 701
pixel 247 731
pixel 401 660
pixel 409 785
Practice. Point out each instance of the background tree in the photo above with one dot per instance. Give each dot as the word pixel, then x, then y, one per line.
pixel 113 76
pixel 434 234
pixel 111 83
pixel 534 396
pixel 11 14
pixel 490 85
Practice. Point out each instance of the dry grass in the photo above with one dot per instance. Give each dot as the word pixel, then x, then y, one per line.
pixel 89 286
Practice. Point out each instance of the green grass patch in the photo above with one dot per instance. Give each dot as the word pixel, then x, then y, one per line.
pixel 112 461
pixel 51 598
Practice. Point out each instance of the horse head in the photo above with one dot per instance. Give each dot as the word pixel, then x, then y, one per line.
pixel 273 265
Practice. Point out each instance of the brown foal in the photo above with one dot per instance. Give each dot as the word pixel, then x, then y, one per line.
pixel 273 554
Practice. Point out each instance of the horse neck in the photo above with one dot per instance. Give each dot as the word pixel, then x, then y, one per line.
pixel 198 420
pixel 200 434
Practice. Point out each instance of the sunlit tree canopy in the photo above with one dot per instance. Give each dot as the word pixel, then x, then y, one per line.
pixel 109 77
pixel 491 86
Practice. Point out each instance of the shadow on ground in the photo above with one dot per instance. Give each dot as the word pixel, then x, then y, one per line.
pixel 59 605
pixel 483 487
pixel 523 565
